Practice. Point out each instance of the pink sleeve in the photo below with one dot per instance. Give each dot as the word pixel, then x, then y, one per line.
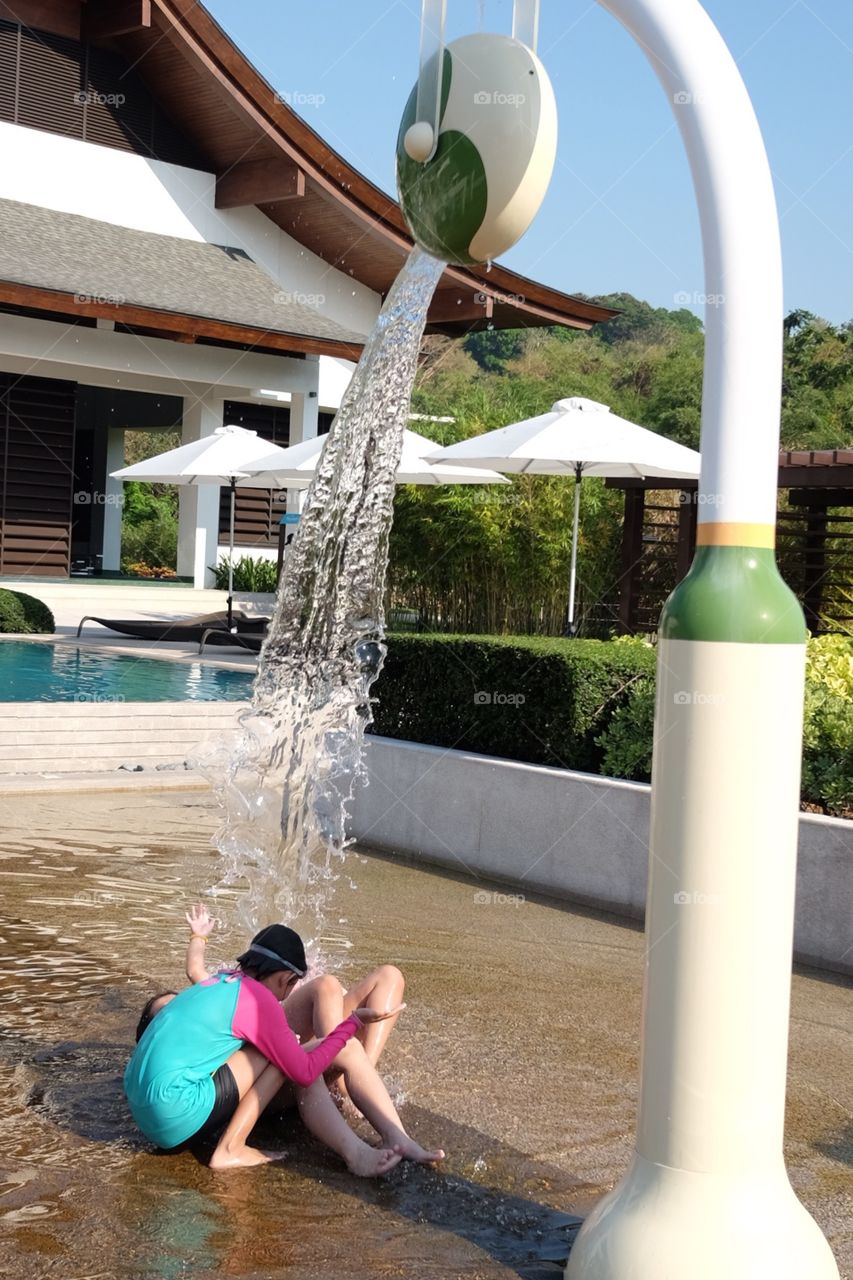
pixel 260 1019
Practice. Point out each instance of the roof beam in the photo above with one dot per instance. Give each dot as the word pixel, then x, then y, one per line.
pixel 192 327
pixel 98 357
pixel 105 19
pixel 263 181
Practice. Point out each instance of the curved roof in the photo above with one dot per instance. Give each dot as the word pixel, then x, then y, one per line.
pixel 266 155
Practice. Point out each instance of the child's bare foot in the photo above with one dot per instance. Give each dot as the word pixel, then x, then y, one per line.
pixel 408 1149
pixel 372 1162
pixel 243 1158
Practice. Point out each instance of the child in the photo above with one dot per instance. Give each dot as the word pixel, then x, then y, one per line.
pixel 218 1053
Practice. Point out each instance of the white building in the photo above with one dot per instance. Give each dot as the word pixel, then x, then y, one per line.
pixel 177 248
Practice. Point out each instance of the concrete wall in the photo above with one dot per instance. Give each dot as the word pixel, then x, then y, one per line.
pixel 570 834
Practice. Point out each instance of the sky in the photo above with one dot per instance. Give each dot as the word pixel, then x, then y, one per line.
pixel 620 214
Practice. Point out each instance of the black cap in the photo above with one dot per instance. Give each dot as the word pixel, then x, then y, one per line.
pixel 276 948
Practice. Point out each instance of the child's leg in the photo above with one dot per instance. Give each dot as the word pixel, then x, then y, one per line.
pixel 321 1009
pixel 258 1081
pixel 318 1006
pixel 322 1118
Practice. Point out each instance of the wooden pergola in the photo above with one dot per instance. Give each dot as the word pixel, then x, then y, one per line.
pixel 815 542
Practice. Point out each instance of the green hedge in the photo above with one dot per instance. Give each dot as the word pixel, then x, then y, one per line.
pixel 541 700
pixel 587 704
pixel 20 613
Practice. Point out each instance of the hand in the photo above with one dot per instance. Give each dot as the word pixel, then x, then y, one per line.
pixel 375 1015
pixel 200 920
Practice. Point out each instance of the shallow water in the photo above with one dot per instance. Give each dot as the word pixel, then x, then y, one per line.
pixel 518 1053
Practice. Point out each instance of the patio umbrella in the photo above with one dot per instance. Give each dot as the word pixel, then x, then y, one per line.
pixel 293 468
pixel 579 438
pixel 225 457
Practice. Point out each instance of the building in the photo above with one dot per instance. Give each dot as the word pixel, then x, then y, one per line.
pixel 177 249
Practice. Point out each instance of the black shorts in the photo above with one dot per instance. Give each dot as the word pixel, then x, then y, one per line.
pixel 225 1101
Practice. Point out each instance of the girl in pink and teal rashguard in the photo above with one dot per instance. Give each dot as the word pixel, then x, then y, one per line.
pixel 210 1059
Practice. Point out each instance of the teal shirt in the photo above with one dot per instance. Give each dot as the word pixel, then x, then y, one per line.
pixel 169 1099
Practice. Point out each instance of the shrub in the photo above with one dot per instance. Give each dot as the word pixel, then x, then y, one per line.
pixel 828 753
pixel 524 698
pixel 140 569
pixel 626 743
pixel 152 541
pixel 827 780
pixel 24 614
pixel 249 574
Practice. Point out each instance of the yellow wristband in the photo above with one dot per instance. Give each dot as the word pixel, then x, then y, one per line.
pixel 201 936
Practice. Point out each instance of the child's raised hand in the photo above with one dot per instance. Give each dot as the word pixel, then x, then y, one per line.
pixel 200 920
pixel 375 1015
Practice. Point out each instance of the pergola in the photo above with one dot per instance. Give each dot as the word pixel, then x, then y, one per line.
pixel 815 541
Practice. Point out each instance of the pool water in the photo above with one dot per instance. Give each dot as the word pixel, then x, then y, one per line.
pixel 33 671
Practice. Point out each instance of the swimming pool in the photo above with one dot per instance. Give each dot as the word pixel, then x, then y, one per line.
pixel 34 671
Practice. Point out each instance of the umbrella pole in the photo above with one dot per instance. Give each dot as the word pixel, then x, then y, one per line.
pixel 573 572
pixel 231 555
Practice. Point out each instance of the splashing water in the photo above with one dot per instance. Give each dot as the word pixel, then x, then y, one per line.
pixel 298 757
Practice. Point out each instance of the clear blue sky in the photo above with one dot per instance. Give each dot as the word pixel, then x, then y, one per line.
pixel 620 213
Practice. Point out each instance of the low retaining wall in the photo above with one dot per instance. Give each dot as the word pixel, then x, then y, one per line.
pixel 79 737
pixel 570 834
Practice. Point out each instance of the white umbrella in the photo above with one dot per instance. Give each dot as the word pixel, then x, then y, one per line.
pixel 580 438
pixel 224 457
pixel 293 468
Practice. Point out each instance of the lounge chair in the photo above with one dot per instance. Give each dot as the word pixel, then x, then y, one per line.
pixel 182 628
pixel 236 639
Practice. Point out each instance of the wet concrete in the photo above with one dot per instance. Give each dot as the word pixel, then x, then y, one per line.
pixel 518 1053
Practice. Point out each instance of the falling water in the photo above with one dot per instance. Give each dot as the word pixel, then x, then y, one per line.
pixel 287 783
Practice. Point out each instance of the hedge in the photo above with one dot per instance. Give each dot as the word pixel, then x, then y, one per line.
pixel 20 613
pixel 585 704
pixel 827 780
pixel 541 700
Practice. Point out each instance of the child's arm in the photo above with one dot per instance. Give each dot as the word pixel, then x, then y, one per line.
pixel 201 926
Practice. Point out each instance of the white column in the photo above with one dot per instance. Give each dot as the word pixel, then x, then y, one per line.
pixel 114 500
pixel 304 412
pixel 198 505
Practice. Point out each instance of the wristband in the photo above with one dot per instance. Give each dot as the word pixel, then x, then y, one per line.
pixel 202 937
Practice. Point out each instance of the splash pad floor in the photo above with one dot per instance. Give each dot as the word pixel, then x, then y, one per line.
pixel 518 1053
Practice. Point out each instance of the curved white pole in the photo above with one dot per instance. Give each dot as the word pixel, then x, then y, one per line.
pixel 743 265
pixel 707 1196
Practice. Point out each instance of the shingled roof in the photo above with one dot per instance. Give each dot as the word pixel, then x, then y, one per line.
pixel 99 262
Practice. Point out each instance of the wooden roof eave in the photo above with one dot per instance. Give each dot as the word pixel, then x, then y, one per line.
pixel 180 327
pixel 187 24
